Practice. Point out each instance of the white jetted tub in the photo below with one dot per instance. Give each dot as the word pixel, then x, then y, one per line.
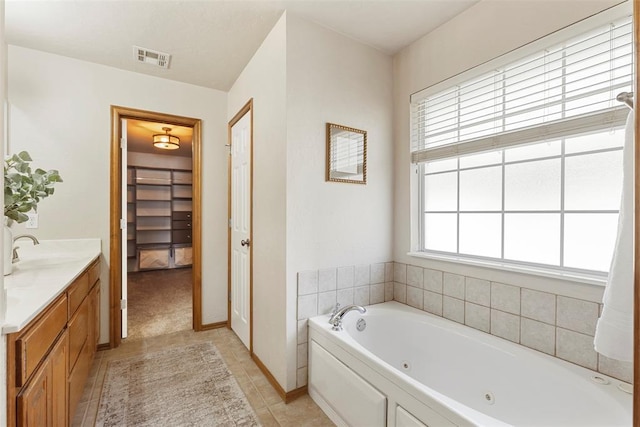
pixel 409 368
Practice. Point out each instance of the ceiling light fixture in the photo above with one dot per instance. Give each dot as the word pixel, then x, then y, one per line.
pixel 166 141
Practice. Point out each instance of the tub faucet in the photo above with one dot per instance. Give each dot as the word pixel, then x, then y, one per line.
pixel 15 257
pixel 336 316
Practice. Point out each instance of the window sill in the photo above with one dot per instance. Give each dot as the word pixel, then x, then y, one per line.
pixel 515 268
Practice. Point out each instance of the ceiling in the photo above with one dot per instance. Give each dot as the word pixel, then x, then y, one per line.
pixel 210 41
pixel 140 135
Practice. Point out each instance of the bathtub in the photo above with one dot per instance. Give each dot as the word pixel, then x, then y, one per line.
pixel 406 367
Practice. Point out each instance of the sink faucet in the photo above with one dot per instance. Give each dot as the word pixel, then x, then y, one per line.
pixel 15 257
pixel 336 316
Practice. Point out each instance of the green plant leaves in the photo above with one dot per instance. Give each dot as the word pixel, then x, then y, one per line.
pixel 24 188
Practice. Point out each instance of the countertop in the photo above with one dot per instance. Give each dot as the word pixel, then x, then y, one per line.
pixel 42 274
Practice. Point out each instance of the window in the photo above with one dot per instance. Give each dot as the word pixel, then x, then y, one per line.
pixel 524 164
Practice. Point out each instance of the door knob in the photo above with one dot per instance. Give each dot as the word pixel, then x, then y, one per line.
pixel 245 242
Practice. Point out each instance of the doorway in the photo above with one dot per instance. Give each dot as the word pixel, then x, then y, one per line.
pixel 240 224
pixel 161 249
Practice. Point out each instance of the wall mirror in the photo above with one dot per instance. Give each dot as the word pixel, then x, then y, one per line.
pixel 346 154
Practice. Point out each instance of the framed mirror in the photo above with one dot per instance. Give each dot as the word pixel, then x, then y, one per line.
pixel 346 154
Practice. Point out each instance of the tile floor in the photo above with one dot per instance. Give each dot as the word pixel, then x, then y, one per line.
pixel 271 410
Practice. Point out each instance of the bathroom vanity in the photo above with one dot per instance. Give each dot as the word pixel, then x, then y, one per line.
pixel 52 330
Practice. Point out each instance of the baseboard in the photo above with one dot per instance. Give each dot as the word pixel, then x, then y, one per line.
pixel 285 396
pixel 217 325
pixel 104 346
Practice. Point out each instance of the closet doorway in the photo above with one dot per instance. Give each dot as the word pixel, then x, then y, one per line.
pixel 155 281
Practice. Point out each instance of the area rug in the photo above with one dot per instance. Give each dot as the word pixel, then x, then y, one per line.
pixel 179 386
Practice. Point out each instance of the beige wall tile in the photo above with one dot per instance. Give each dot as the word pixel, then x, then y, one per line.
pixel 400 273
pixel 453 285
pixel 400 292
pixel 327 280
pixel 302 355
pixel 414 276
pixel 388 271
pixel 361 296
pixel 616 368
pixel 577 315
pixel 377 293
pixel 477 316
pixel 344 297
pixel 576 348
pixel 346 276
pixel 303 334
pixel 433 303
pixel 388 291
pixel 307 306
pixel 538 336
pixel 453 309
pixel 505 325
pixel 301 377
pixel 432 280
pixel 505 297
pixel 415 297
pixel 327 302
pixel 377 273
pixel 307 282
pixel 362 276
pixel 538 305
pixel 477 291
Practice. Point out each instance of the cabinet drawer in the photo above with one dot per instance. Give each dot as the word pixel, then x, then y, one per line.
pixel 77 291
pixel 182 216
pixel 181 225
pixel 181 236
pixel 33 345
pixel 78 332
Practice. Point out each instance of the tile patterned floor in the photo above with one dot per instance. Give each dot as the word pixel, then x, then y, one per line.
pixel 271 410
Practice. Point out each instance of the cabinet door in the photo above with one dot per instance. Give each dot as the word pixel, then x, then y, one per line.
pixel 34 406
pixel 59 372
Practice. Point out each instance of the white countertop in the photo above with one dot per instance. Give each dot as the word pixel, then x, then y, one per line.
pixel 42 274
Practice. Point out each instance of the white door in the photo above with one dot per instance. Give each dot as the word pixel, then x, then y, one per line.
pixel 241 228
pixel 123 222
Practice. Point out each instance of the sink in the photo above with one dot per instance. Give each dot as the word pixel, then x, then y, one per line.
pixel 50 261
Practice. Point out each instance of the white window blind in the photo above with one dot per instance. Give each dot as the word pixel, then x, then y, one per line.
pixel 563 90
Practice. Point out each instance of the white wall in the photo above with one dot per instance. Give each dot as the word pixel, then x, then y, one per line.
pixel 264 80
pixel 332 78
pixel 60 113
pixel 301 77
pixel 3 338
pixel 483 32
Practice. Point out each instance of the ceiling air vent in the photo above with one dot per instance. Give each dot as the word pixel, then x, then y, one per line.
pixel 153 57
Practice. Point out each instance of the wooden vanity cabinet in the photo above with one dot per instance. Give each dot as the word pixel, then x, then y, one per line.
pixel 49 359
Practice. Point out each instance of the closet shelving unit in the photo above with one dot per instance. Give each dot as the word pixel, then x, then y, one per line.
pixel 162 219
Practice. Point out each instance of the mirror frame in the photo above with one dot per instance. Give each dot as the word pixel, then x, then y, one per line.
pixel 332 130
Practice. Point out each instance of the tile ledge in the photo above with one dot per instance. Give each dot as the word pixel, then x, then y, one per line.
pixel 515 268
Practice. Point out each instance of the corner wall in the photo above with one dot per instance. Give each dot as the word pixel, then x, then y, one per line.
pixel 333 78
pixel 60 113
pixel 264 81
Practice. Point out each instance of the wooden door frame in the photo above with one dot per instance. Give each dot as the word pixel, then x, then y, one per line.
pixel 115 241
pixel 247 108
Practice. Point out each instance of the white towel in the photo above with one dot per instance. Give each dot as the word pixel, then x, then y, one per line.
pixel 614 333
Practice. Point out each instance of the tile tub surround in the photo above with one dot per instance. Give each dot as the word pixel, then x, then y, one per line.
pixel 320 290
pixel 554 324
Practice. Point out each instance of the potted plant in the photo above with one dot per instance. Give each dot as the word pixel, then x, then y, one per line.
pixel 23 190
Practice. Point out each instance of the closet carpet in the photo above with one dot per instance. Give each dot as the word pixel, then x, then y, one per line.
pixel 159 302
